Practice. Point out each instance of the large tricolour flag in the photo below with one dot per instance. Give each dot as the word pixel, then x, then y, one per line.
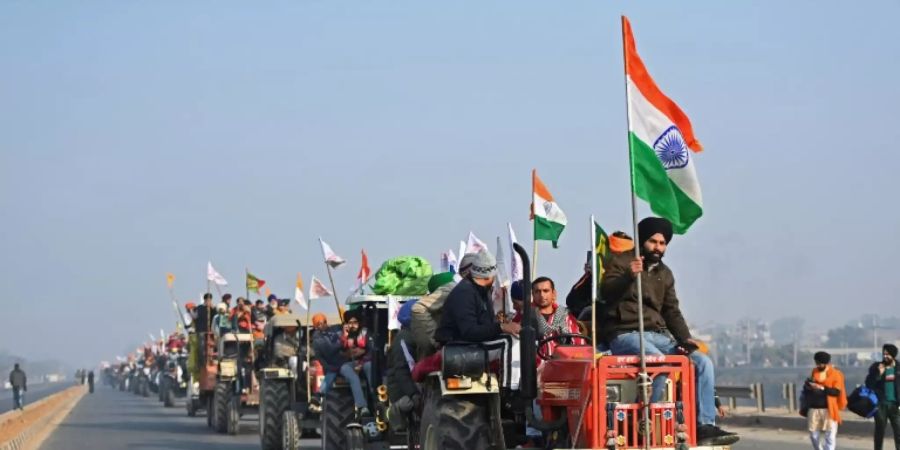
pixel 662 144
pixel 549 220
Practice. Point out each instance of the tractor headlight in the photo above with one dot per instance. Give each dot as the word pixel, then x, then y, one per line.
pixel 292 364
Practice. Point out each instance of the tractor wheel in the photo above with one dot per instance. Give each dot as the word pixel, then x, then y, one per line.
pixel 161 389
pixel 220 407
pixel 462 424
pixel 145 388
pixel 428 418
pixel 355 439
pixel 209 409
pixel 233 414
pixel 169 396
pixel 275 401
pixel 191 407
pixel 337 411
pixel 290 432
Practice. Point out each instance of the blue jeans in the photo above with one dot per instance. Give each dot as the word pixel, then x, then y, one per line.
pixel 349 374
pixel 662 344
pixel 18 398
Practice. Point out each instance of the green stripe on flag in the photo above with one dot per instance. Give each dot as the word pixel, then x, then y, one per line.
pixel 653 185
pixel 545 230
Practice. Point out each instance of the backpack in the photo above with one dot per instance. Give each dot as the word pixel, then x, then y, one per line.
pixel 863 402
pixel 426 317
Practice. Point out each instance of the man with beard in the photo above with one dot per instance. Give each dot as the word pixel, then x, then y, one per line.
pixel 665 330
pixel 883 379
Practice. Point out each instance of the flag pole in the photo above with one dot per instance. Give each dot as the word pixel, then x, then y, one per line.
pixel 334 293
pixel 308 333
pixel 595 396
pixel 534 253
pixel 247 285
pixel 643 377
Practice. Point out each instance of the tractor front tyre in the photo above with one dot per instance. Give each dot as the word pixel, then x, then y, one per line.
pixel 209 409
pixel 220 407
pixel 355 439
pixel 191 407
pixel 233 414
pixel 337 412
pixel 290 432
pixel 274 404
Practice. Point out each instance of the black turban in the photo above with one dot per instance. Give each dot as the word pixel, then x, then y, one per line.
pixel 822 358
pixel 652 225
pixel 891 349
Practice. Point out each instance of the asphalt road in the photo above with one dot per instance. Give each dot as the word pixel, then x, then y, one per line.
pixel 110 419
pixel 35 393
pixel 113 420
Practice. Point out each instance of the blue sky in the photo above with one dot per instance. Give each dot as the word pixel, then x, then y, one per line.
pixel 139 138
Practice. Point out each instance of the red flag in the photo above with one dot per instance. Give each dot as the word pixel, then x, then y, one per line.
pixel 364 270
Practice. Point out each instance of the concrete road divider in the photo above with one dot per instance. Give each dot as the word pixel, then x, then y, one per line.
pixel 24 430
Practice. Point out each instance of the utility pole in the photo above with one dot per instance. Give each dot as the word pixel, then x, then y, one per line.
pixel 795 349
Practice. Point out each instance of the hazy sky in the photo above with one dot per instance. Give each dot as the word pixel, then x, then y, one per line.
pixel 139 138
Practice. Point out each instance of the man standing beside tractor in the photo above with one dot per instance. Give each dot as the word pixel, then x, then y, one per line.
pixel 665 332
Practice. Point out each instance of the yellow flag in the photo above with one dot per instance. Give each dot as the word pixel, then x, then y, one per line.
pixel 170 280
pixel 268 292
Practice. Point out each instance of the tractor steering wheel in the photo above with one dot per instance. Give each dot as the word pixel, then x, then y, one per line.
pixel 560 338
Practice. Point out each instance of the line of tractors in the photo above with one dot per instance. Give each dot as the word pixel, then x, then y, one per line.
pixel 483 397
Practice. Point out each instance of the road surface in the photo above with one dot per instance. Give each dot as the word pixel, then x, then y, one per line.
pixel 35 393
pixel 113 420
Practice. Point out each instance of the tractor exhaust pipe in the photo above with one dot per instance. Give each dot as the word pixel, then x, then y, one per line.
pixel 528 347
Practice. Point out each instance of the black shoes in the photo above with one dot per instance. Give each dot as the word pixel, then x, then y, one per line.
pixel 713 435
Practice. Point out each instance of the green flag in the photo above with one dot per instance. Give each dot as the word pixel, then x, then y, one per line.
pixel 601 252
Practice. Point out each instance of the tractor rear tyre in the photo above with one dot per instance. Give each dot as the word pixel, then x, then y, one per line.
pixel 428 419
pixel 275 401
pixel 290 433
pixel 220 407
pixel 233 414
pixel 462 425
pixel 337 411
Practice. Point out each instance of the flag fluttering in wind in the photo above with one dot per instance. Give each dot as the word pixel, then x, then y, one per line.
pixel 331 258
pixel 317 289
pixel 475 245
pixel 601 251
pixel 162 335
pixel 393 311
pixel 298 292
pixel 253 283
pixel 364 271
pixel 268 291
pixel 662 143
pixel 449 262
pixel 515 269
pixel 549 220
pixel 170 280
pixel 214 276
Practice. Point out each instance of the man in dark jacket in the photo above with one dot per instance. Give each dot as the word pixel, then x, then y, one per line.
pixel 883 379
pixel 468 311
pixel 665 330
pixel 328 350
pixel 402 390
pixel 19 383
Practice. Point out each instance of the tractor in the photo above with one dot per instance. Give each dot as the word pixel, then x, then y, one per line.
pixel 202 366
pixel 236 389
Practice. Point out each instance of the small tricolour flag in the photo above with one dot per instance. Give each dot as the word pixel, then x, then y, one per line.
pixel 317 289
pixel 298 292
pixel 549 220
pixel 661 141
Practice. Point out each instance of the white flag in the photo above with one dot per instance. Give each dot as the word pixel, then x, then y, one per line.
pixel 475 245
pixel 393 310
pixel 331 258
pixel 452 262
pixel 515 269
pixel 214 276
pixel 501 283
pixel 462 251
pixel 317 289
pixel 162 335
pixel 152 339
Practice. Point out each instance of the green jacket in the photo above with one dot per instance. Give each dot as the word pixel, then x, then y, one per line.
pixel 661 310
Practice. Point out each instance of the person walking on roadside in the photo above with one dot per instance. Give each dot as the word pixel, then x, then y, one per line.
pixel 882 379
pixel 827 396
pixel 19 383
pixel 91 382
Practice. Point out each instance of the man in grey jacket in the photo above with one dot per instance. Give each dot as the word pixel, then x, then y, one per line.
pixel 19 385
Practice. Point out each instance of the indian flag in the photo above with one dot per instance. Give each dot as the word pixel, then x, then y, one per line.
pixel 549 220
pixel 662 145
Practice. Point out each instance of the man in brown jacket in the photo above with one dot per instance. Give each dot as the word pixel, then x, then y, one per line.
pixel 665 330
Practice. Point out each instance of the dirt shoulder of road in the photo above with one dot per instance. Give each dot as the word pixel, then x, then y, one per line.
pixel 13 423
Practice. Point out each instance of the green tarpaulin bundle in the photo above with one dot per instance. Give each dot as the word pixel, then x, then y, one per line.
pixel 404 275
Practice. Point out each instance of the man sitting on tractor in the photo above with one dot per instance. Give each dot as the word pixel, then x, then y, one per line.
pixel 355 344
pixel 665 332
pixel 327 347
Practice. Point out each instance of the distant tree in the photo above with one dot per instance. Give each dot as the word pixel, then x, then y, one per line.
pixel 786 329
pixel 849 336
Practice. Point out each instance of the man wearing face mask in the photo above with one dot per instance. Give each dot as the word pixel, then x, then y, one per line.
pixel 468 311
pixel 665 330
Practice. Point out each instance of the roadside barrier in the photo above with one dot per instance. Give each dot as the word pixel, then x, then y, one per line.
pixel 23 430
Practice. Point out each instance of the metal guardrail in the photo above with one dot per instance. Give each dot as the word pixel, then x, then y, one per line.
pixel 755 391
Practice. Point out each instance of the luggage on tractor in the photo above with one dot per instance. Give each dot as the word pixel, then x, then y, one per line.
pixel 584 401
pixel 286 385
pixel 236 389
